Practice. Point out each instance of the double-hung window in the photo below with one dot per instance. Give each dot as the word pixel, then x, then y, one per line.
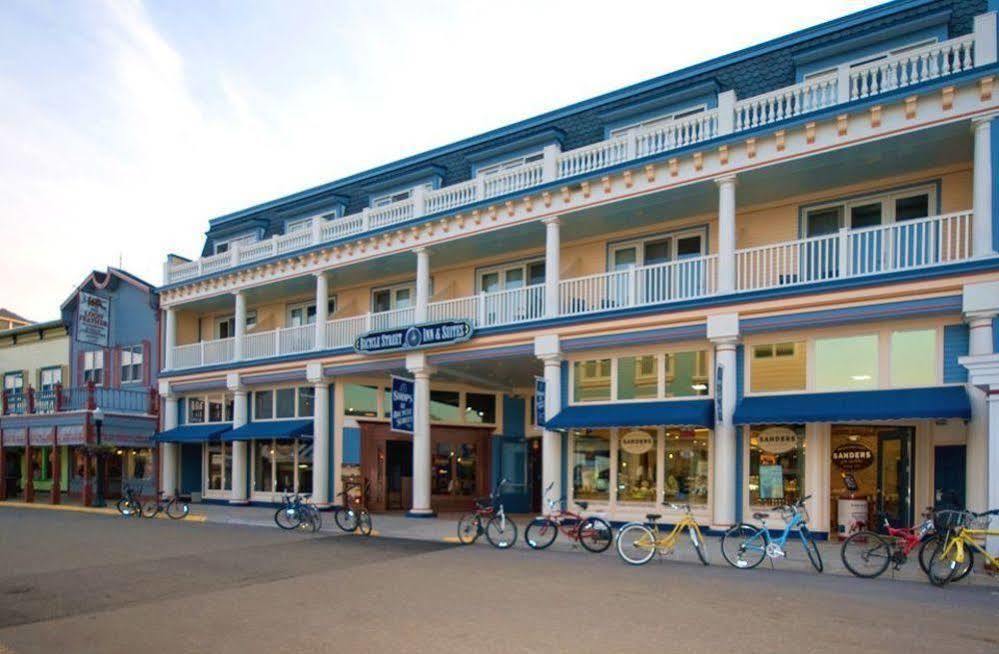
pixel 657 249
pixel 131 364
pixel 508 164
pixel 48 378
pixel 304 313
pixel 659 120
pixel 870 210
pixel 386 199
pixel 225 327
pixel 93 366
pixel 13 384
pixel 230 243
pixel 401 296
pixel 511 276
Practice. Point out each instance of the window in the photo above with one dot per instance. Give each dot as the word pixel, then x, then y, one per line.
pixel 215 409
pixel 636 466
pixel 445 406
pixel 510 276
pixel 298 225
pixel 871 58
pixel 914 358
pixel 93 366
pixel 49 377
pixel 306 401
pixel 846 363
pixel 210 409
pixel 282 466
pixel 13 383
pixel 659 120
pixel 360 400
pixel 778 367
pixel 685 464
pixel 591 380
pixel 453 469
pixel 480 408
pixel 219 465
pixel 870 211
pixel 230 243
pixel 131 364
pixel 657 249
pixel 776 464
pixel 590 465
pixel 509 164
pixel 225 327
pixel 687 374
pixel 304 313
pixel 395 196
pixel 284 403
pixel 263 405
pixel 195 410
pixel 391 298
pixel 138 464
pixel 637 378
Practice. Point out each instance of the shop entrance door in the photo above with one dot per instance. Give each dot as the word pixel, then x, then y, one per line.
pixel 894 496
pixel 398 475
pixel 534 488
pixel 949 476
pixel 12 471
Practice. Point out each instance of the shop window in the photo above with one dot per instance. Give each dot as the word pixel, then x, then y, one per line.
pixel 263 405
pixel 445 406
pixel 304 467
pixel 41 469
pixel 465 464
pixel 776 464
pixel 306 401
pixel 778 367
pixel 687 374
pixel 360 400
pixel 480 408
pixel 846 363
pixel 284 467
pixel 685 464
pixel 285 403
pixel 591 380
pixel 139 464
pixel 454 469
pixel 443 474
pixel 591 465
pixel 215 410
pixel 195 410
pixel 636 466
pixel 637 378
pixel 219 466
pixel 913 358
pixel 263 466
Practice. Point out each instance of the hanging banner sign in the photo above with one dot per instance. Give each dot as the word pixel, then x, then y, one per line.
pixel 852 456
pixel 637 442
pixel 93 319
pixel 777 440
pixel 414 337
pixel 719 378
pixel 403 391
pixel 540 388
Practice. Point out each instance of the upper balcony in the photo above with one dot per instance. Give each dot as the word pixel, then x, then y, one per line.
pixel 80 398
pixel 730 117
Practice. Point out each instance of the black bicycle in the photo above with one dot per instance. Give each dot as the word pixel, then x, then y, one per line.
pixel 175 507
pixel 353 515
pixel 296 513
pixel 130 506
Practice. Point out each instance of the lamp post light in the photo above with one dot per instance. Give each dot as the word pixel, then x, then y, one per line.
pixel 99 422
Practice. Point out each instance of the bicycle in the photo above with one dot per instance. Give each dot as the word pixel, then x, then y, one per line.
pixel 867 554
pixel 593 533
pixel 745 546
pixel 501 531
pixel 637 542
pixel 295 512
pixel 953 558
pixel 175 507
pixel 130 505
pixel 352 519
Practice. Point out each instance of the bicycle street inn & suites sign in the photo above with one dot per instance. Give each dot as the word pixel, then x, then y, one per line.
pixel 414 337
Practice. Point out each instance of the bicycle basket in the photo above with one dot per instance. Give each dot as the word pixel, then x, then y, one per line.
pixel 979 522
pixel 951 519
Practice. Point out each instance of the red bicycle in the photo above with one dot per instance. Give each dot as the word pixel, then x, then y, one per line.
pixel 489 517
pixel 868 554
pixel 591 532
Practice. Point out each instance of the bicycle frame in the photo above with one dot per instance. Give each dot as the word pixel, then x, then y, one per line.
pixel 966 537
pixel 668 541
pixel 780 541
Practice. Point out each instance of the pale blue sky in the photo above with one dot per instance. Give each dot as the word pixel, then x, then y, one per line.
pixel 125 126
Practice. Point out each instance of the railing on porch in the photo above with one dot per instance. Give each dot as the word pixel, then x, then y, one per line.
pixel 80 398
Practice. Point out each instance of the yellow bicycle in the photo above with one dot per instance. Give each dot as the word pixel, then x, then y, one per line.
pixel 638 542
pixel 953 557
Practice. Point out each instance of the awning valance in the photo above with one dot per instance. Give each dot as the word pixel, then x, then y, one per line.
pixel 285 429
pixel 896 404
pixel 677 413
pixel 192 434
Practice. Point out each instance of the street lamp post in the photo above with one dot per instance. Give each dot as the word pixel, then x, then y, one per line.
pixel 99 422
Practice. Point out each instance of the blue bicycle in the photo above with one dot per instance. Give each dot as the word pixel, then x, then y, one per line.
pixel 745 546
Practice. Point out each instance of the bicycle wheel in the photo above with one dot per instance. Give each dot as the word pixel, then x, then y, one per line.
pixel 744 546
pixel 697 540
pixel 540 533
pixel 123 504
pixel 150 509
pixel 288 517
pixel 595 534
pixel 944 569
pixel 636 544
pixel 501 532
pixel 469 528
pixel 364 522
pixel 865 554
pixel 177 509
pixel 811 548
pixel 925 550
pixel 346 519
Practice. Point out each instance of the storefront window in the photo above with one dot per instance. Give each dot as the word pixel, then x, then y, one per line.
pixel 687 374
pixel 686 466
pixel 306 401
pixel 591 465
pixel 285 403
pixel 465 467
pixel 284 466
pixel 263 473
pixel 591 380
pixel 637 378
pixel 777 367
pixel 776 464
pixel 195 410
pixel 442 476
pixel 913 358
pixel 138 464
pixel 305 467
pixel 848 363
pixel 360 400
pixel 636 466
pixel 215 410
pixel 445 406
pixel 263 405
pixel 480 408
pixel 40 468
pixel 216 466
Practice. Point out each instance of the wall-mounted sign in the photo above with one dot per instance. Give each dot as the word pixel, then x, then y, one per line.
pixel 402 404
pixel 414 337
pixel 539 401
pixel 637 442
pixel 777 440
pixel 852 456
pixel 93 319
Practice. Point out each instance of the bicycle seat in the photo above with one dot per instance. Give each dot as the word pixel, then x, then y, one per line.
pixel 583 505
pixel 652 517
pixel 760 516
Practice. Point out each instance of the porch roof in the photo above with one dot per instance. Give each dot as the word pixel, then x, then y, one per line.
pixel 192 433
pixel 286 429
pixel 678 413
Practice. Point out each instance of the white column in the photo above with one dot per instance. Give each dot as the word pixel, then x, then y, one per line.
pixel 984 31
pixel 726 234
pixel 422 283
pixel 552 266
pixel 169 337
pixel 240 416
pixel 983 375
pixel 992 543
pixel 417 365
pixel 239 321
pixel 548 349
pixel 322 307
pixel 168 451
pixel 981 240
pixel 320 435
pixel 337 442
pixel 977 448
pixel 723 330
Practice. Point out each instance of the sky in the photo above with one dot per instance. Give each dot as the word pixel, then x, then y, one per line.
pixel 125 125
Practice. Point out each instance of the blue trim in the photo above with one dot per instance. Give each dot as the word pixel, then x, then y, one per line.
pixel 297 428
pixel 896 404
pixel 193 433
pixel 675 413
pixel 430 172
pixel 830 317
pixel 956 339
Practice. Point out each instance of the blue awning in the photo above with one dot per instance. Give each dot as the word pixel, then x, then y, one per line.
pixel 677 413
pixel 286 429
pixel 898 404
pixel 192 434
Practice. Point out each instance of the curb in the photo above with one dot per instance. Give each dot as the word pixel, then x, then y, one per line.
pixel 191 517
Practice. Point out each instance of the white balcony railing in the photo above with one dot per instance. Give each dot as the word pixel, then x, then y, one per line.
pixel 788 102
pixel 912 67
pixel 392 319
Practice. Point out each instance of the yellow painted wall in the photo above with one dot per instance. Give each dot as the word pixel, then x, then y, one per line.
pixel 31 354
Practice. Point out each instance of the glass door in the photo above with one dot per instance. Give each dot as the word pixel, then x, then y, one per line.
pixel 894 493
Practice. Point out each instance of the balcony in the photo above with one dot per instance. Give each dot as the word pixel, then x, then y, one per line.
pixel 847 254
pixel 79 398
pixel 731 116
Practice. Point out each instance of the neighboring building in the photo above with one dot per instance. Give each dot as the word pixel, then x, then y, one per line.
pixel 10 320
pixel 102 355
pixel 743 283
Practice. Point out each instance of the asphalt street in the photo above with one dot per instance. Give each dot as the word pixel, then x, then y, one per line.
pixel 90 583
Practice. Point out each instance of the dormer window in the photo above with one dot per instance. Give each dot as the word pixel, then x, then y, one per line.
pixel 863 61
pixel 509 164
pixel 229 243
pixel 661 119
pixel 305 223
pixel 396 196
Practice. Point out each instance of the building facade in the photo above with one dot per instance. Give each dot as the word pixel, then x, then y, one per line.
pixel 741 283
pixel 82 387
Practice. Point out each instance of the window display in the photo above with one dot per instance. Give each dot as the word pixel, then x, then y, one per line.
pixel 591 465
pixel 776 464
pixel 686 467
pixel 636 466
